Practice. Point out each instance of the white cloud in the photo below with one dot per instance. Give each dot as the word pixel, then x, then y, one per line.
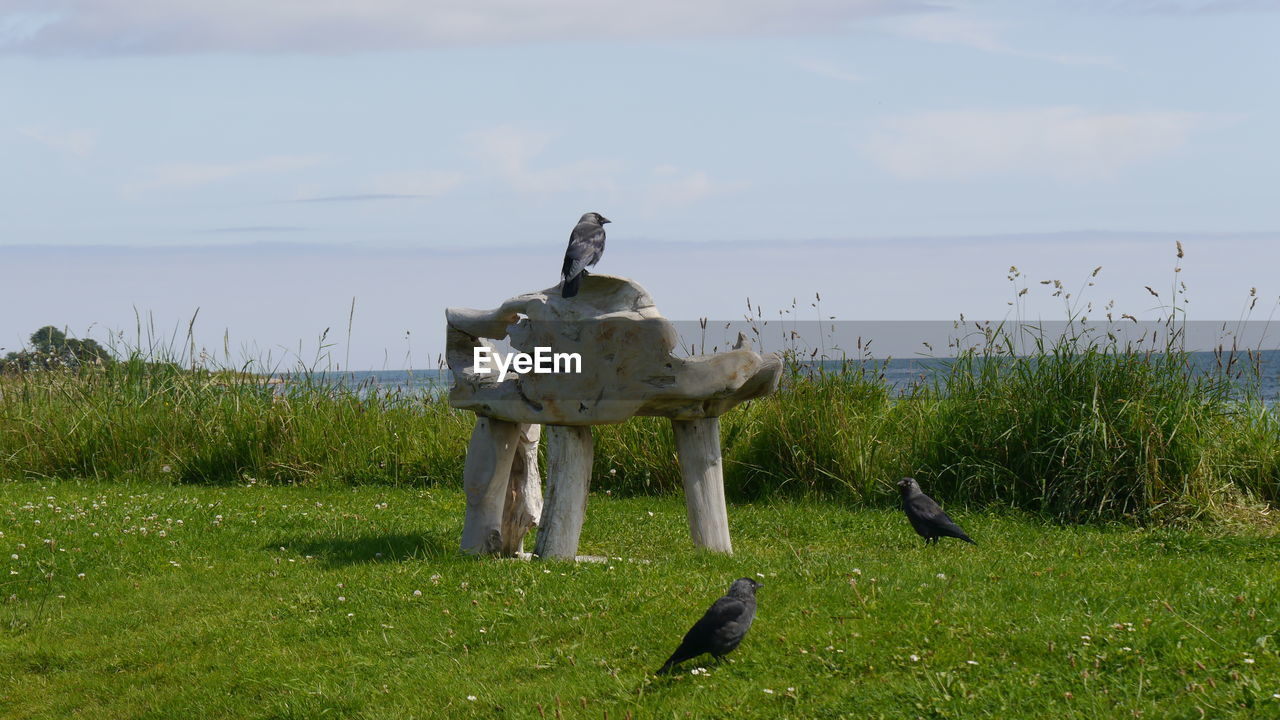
pixel 511 155
pixel 332 26
pixel 951 29
pixel 72 142
pixel 1062 142
pixel 193 175
pixel 1189 7
pixel 428 183
pixel 675 187
pixel 964 31
pixel 826 69
pixel 510 152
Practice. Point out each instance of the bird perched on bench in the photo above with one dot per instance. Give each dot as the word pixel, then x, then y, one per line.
pixel 586 245
pixel 926 516
pixel 722 628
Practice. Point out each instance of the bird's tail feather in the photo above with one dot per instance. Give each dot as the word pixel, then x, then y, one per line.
pixel 570 288
pixel 966 538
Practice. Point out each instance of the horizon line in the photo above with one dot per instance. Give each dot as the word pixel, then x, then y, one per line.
pixel 1079 234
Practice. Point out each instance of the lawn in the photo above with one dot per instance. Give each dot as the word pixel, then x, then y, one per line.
pixel 160 601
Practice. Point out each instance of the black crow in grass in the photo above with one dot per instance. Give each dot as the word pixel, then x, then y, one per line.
pixel 586 245
pixel 926 516
pixel 722 628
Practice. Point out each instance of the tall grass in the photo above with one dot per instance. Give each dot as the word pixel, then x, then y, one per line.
pixel 1076 426
pixel 141 419
pixel 1074 433
pixel 1081 430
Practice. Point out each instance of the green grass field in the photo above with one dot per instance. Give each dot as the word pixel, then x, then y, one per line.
pixel 148 600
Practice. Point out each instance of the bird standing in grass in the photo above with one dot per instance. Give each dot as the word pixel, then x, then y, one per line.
pixel 586 245
pixel 926 516
pixel 722 628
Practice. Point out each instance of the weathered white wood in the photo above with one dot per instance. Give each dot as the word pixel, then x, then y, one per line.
pixel 626 365
pixel 702 468
pixel 628 360
pixel 569 453
pixel 524 492
pixel 485 478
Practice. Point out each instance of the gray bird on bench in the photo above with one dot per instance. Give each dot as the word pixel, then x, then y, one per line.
pixel 586 245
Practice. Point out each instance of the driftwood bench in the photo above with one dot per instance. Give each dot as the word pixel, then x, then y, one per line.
pixel 626 369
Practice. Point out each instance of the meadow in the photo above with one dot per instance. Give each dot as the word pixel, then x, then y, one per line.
pixel 151 600
pixel 189 539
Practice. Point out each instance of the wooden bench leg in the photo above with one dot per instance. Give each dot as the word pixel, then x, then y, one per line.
pixel 569 454
pixel 702 468
pixel 524 492
pixel 485 479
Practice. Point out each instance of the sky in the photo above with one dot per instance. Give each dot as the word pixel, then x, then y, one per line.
pixel 268 167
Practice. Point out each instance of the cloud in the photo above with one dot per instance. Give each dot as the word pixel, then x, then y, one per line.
pixel 366 197
pixel 1188 7
pixel 826 69
pixel 510 152
pixel 512 156
pixel 976 34
pixel 71 142
pixel 180 26
pixel 417 183
pixel 194 175
pixel 254 229
pixel 387 186
pixel 675 187
pixel 1062 142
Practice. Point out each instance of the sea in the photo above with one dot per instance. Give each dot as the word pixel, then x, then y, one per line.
pixel 899 373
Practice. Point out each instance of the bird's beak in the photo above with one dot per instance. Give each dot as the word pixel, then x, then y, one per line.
pixel 604 220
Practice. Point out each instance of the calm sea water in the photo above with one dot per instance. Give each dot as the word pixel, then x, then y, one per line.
pixel 901 374
pixel 898 373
